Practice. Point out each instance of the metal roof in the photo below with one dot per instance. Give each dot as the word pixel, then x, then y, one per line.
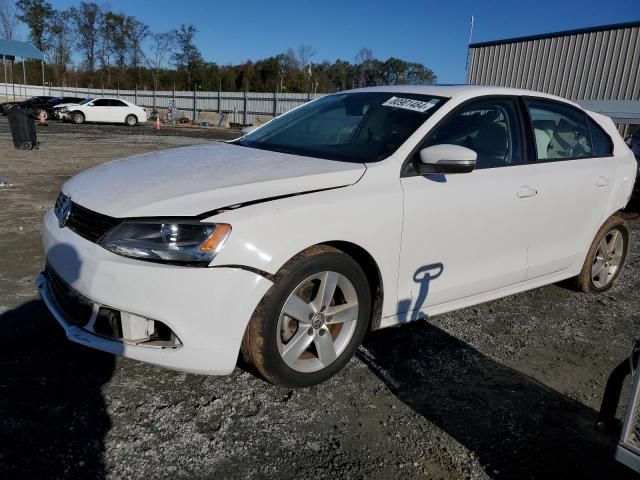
pixel 12 48
pixel 601 64
pixel 599 28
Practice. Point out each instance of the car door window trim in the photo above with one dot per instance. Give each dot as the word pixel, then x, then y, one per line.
pixel 408 169
pixel 535 158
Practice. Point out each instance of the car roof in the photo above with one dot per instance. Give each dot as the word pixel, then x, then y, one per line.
pixel 110 98
pixel 458 91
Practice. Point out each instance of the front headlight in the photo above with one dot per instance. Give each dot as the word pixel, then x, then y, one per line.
pixel 63 110
pixel 180 242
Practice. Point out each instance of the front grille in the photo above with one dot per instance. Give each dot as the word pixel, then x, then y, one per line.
pixel 86 223
pixel 76 308
pixel 89 224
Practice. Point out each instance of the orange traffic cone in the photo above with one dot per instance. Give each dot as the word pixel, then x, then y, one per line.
pixel 158 123
pixel 41 118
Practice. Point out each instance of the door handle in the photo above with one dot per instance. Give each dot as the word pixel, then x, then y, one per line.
pixel 602 181
pixel 527 192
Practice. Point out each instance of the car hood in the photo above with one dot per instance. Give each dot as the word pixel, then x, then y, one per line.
pixel 193 180
pixel 62 105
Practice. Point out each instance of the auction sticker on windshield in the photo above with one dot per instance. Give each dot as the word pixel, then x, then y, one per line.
pixel 409 104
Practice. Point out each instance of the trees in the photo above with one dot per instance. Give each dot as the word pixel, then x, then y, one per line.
pixel 119 38
pixel 137 33
pixel 8 19
pixel 112 49
pixel 106 29
pixel 187 56
pixel 36 14
pixel 304 54
pixel 162 45
pixel 60 44
pixel 87 19
pixel 364 59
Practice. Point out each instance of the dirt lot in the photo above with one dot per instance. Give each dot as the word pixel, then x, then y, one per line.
pixel 508 389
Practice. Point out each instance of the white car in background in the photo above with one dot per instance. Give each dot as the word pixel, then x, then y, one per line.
pixel 357 211
pixel 105 110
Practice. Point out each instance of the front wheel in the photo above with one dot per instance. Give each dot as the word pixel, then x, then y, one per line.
pixel 606 257
pixel 131 120
pixel 77 118
pixel 311 321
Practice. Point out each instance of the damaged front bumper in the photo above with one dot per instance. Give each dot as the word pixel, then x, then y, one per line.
pixel 187 319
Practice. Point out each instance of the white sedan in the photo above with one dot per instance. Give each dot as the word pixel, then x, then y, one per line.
pixel 104 110
pixel 357 211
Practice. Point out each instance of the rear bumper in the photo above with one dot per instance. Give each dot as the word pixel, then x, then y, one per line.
pixel 207 308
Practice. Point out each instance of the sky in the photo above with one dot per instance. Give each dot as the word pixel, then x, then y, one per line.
pixel 434 33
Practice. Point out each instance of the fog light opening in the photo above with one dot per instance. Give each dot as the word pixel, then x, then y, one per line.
pixel 134 329
pixel 108 323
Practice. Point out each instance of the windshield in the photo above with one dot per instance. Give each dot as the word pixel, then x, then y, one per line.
pixel 357 127
pixel 86 100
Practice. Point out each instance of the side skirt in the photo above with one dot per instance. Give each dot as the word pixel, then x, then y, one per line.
pixel 432 310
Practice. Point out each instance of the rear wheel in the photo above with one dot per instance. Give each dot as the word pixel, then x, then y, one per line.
pixel 77 117
pixel 310 323
pixel 131 120
pixel 606 257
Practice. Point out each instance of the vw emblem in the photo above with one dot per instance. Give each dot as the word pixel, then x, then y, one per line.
pixel 65 211
pixel 317 321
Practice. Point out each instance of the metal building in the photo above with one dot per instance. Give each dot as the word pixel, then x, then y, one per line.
pixel 598 67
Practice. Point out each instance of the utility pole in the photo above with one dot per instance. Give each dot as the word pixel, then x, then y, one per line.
pixel 466 67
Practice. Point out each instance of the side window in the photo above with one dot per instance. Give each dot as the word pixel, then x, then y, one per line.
pixel 602 146
pixel 101 103
pixel 490 127
pixel 118 103
pixel 560 131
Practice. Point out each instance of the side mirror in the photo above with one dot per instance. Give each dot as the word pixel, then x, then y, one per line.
pixel 446 158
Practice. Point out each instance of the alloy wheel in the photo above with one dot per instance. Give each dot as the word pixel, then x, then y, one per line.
pixel 608 258
pixel 317 322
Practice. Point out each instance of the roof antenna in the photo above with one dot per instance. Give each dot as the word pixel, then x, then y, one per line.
pixel 466 67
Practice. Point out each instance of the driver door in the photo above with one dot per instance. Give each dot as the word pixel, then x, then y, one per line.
pixel 465 234
pixel 97 110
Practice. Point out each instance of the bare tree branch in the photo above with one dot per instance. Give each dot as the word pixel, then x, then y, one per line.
pixel 162 45
pixel 8 19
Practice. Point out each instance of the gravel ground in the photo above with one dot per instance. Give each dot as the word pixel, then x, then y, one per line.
pixel 508 389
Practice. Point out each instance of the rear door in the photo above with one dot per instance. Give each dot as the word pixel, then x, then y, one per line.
pixel 573 176
pixel 119 110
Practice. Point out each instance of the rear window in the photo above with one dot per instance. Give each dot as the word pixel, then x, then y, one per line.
pixel 560 131
pixel 602 145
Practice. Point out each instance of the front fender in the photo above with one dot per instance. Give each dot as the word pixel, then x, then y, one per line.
pixel 369 214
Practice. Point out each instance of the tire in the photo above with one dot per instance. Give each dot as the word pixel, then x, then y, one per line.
pixel 26 146
pixel 77 117
pixel 131 120
pixel 307 351
pixel 606 257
